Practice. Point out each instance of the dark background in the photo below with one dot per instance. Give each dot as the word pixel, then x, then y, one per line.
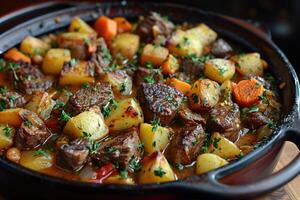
pixel 281 17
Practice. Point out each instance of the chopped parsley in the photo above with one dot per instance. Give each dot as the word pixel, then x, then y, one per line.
pixel 159 172
pixel 124 174
pixel 110 149
pixel 73 62
pixel 149 65
pixel 64 116
pixel 134 164
pixel 7 131
pixel 195 98
pixel 252 109
pixel 263 96
pixel 215 142
pixel 2 105
pixel 123 87
pixel 27 123
pixel 106 54
pixel 40 152
pixel 37 51
pixel 2 65
pixel 108 108
pixel 86 134
pixel 154 144
pixel 271 124
pixel 3 90
pixel 141 146
pixel 155 124
pixel 149 79
pixel 93 147
pixel 85 85
pixel 59 104
pixel 179 166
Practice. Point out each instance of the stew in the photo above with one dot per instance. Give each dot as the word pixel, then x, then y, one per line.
pixel 132 103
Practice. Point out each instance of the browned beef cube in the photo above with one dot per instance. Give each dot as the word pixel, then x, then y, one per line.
pixel 73 156
pixel 11 100
pixel 120 150
pixel 32 133
pixel 101 59
pixel 254 120
pixel 221 48
pixel 225 119
pixel 145 75
pixel 193 69
pixel 186 116
pixel 30 79
pixel 186 145
pixel 159 101
pixel 98 95
pixel 154 27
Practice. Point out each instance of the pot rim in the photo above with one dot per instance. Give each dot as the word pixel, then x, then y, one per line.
pixel 285 122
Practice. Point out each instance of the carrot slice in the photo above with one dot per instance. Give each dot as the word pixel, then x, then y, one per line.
pixel 122 25
pixel 15 55
pixel 247 92
pixel 170 66
pixel 106 28
pixel 182 86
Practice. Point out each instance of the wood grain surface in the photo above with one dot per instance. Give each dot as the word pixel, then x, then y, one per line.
pixel 291 191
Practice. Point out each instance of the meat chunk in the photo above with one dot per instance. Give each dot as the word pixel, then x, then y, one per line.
pixel 30 79
pixel 101 59
pixel 220 48
pixel 85 98
pixel 119 150
pixel 73 156
pixel 254 120
pixel 225 118
pixel 147 75
pixel 192 68
pixel 186 144
pixel 154 27
pixel 32 132
pixel 159 101
pixel 11 100
pixel 186 116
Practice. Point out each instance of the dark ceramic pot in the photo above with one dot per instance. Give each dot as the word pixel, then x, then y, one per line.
pixel 249 177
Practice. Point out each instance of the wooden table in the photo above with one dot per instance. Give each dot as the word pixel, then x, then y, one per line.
pixel 291 191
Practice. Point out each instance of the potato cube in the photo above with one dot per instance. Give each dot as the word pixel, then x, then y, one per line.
pixel 42 104
pixel 204 94
pixel 155 55
pixel 88 123
pixel 54 60
pixel 117 179
pixel 249 64
pixel 34 46
pixel 11 117
pixel 206 34
pixel 6 136
pixel 208 161
pixel 182 44
pixel 219 69
pixel 127 44
pixel 223 147
pixel 37 160
pixel 120 81
pixel 156 169
pixel 76 74
pixel 154 138
pixel 126 114
pixel 78 25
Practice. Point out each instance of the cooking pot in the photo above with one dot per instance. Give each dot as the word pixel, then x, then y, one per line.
pixel 248 177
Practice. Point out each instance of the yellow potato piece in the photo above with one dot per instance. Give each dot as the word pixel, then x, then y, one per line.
pixel 11 117
pixel 249 64
pixel 219 69
pixel 225 148
pixel 54 60
pixel 126 114
pixel 88 122
pixel 34 46
pixel 127 44
pixel 154 139
pixel 208 161
pixel 78 25
pixel 154 54
pixel 36 161
pixel 156 170
pixel 6 136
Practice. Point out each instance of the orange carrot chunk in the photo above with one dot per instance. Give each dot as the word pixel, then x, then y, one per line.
pixel 181 86
pixel 247 92
pixel 122 25
pixel 106 28
pixel 170 66
pixel 15 55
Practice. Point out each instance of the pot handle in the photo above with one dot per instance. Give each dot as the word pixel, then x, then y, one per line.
pixel 263 186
